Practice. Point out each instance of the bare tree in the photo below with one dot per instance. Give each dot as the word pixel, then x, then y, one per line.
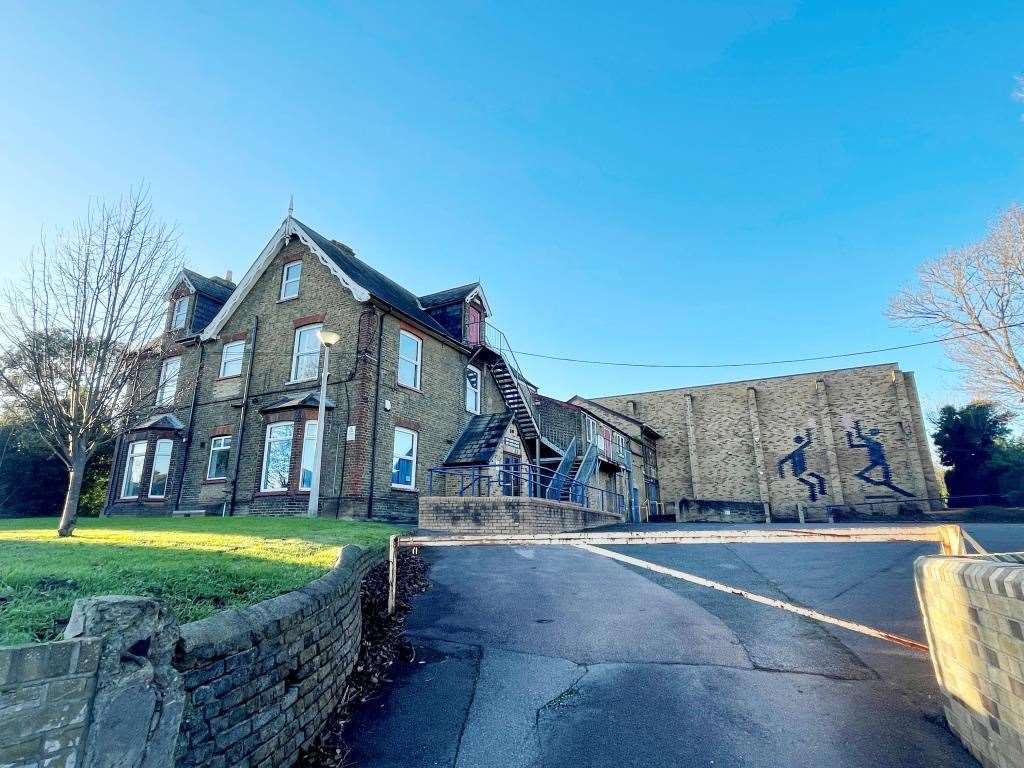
pixel 976 294
pixel 75 329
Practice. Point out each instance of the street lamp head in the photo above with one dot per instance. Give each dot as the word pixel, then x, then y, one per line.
pixel 328 338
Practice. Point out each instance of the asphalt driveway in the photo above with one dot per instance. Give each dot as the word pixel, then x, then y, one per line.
pixel 551 656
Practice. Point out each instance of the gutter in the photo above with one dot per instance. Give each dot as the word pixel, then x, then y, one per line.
pixel 230 508
pixel 376 417
pixel 188 428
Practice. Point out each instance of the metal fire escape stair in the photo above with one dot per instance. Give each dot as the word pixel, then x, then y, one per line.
pixel 517 397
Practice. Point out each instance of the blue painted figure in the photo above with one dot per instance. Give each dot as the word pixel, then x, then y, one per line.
pixel 797 459
pixel 876 458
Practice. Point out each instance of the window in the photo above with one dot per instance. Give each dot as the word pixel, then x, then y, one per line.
pixel 306 353
pixel 290 280
pixel 403 466
pixel 620 445
pixel 179 314
pixel 409 354
pixel 277 457
pixel 231 359
pixel 133 470
pixel 161 468
pixel 591 429
pixel 472 389
pixel 220 452
pixel 168 381
pixel 308 452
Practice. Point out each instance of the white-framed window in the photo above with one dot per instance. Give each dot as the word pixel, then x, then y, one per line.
pixel 591 429
pixel 290 280
pixel 231 359
pixel 620 445
pixel 277 456
pixel 133 463
pixel 472 389
pixel 308 452
pixel 306 353
pixel 161 469
pixel 403 464
pixel 168 381
pixel 410 354
pixel 179 314
pixel 220 453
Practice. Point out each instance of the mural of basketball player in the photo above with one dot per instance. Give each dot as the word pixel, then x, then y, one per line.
pixel 797 459
pixel 876 458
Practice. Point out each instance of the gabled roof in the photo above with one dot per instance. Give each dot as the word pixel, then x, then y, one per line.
pixel 448 296
pixel 301 400
pixel 160 421
pixel 216 288
pixel 362 280
pixel 577 399
pixel 479 440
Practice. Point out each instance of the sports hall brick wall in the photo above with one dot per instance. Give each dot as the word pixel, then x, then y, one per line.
pixel 729 442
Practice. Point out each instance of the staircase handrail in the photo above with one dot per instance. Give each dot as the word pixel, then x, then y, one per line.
pixel 562 473
pixel 583 474
pixel 505 351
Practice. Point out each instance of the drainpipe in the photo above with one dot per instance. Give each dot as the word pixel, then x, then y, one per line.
pixel 376 417
pixel 230 508
pixel 188 428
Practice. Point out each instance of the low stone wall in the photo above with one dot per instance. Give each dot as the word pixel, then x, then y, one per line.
pixel 46 693
pixel 508 514
pixel 973 611
pixel 132 689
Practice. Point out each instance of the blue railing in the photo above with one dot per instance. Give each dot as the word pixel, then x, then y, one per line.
pixel 519 479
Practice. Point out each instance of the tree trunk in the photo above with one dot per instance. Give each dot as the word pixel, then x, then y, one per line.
pixel 69 516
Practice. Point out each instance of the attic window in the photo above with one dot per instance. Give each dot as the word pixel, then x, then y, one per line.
pixel 179 313
pixel 290 280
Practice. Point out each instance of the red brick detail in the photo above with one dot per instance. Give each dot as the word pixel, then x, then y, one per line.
pixel 307 320
pixel 415 330
pixel 240 336
pixel 275 416
pixel 415 426
pixel 222 429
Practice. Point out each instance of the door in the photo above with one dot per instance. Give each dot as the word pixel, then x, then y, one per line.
pixel 472 326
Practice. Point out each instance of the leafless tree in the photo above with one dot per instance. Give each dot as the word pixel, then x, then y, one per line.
pixel 74 331
pixel 976 293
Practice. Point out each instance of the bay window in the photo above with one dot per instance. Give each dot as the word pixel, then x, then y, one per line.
pixel 161 469
pixel 308 452
pixel 133 464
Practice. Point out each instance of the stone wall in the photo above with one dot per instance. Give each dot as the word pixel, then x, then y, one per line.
pixel 973 611
pixel 45 695
pixel 830 438
pixel 508 515
pixel 260 682
pixel 250 686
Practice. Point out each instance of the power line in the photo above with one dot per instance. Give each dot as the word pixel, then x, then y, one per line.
pixel 770 362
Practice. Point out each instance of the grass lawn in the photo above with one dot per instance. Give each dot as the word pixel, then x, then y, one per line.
pixel 197 566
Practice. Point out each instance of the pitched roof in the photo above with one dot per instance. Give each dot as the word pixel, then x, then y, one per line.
pixel 214 287
pixel 160 421
pixel 448 296
pixel 378 285
pixel 301 400
pixel 614 412
pixel 479 440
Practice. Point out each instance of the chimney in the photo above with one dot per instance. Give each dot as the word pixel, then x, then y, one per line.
pixel 227 276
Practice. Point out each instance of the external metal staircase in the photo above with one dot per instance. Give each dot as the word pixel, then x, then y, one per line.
pixel 511 382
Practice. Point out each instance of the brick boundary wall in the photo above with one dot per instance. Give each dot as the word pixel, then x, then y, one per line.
pixel 973 610
pixel 46 693
pixel 258 682
pixel 508 514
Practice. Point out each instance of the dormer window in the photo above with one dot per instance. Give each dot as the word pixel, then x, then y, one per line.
pixel 290 280
pixel 179 313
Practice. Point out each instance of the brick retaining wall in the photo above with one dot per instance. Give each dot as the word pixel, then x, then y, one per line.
pixel 508 514
pixel 261 681
pixel 974 615
pixel 45 695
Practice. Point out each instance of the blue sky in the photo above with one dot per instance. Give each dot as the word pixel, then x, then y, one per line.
pixel 687 182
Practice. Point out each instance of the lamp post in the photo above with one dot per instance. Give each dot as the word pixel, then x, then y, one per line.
pixel 328 339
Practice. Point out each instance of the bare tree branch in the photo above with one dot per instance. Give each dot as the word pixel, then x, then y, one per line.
pixel 978 289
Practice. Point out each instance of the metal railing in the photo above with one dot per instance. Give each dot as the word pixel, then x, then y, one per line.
pixel 523 479
pixel 495 339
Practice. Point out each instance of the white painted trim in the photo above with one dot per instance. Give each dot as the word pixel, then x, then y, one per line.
pixel 415 457
pixel 128 457
pixel 223 355
pixel 479 292
pixel 215 447
pixel 152 469
pixel 285 280
pixel 479 389
pixel 266 456
pixel 295 353
pixel 288 228
pixel 419 359
pixel 182 278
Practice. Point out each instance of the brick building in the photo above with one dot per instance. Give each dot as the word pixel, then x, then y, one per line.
pixel 853 436
pixel 422 383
